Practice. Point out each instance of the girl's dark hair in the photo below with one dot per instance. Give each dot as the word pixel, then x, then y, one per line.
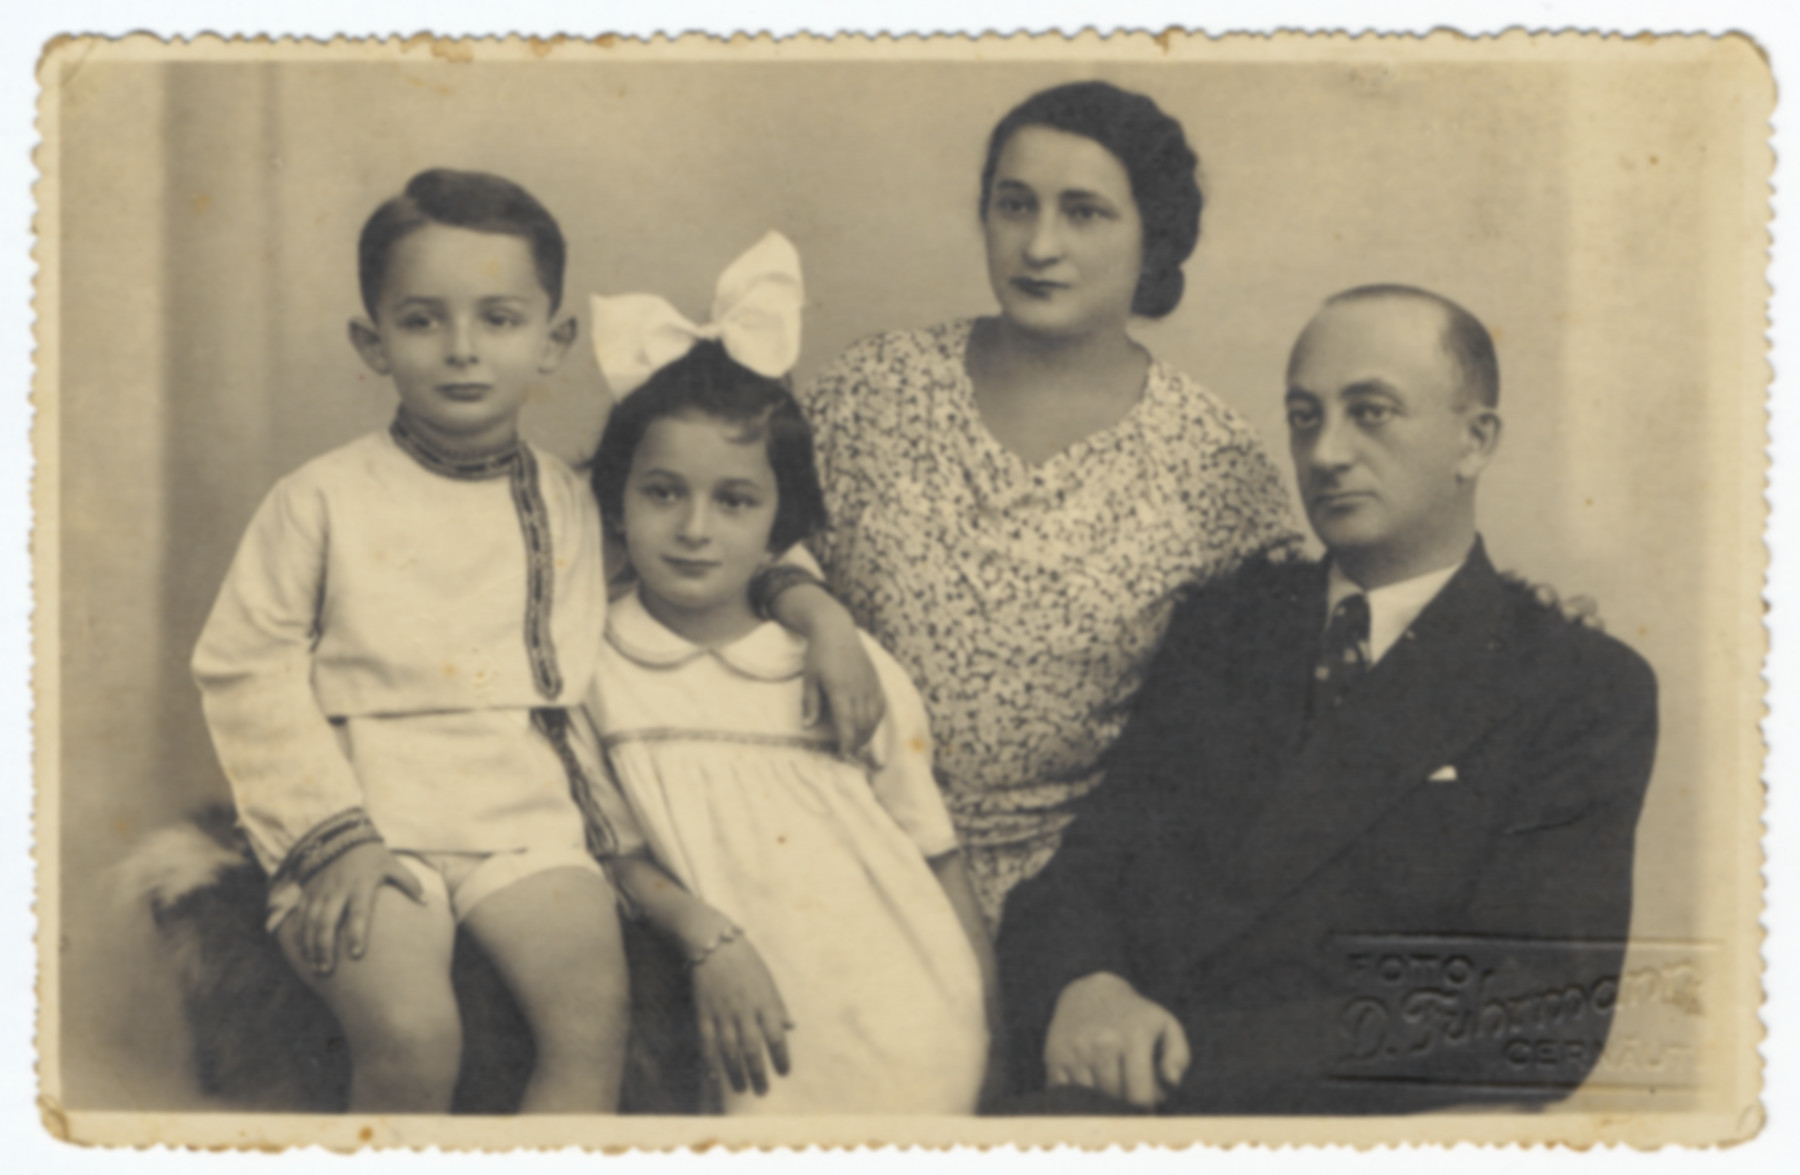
pixel 1156 155
pixel 461 199
pixel 708 382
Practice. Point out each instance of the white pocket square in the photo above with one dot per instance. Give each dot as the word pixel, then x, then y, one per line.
pixel 1444 774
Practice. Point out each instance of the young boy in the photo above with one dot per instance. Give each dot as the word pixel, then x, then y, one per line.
pixel 387 669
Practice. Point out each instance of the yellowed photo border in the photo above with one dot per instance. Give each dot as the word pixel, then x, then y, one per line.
pixel 1646 491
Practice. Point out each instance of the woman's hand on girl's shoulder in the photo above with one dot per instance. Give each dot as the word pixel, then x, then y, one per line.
pixel 741 1015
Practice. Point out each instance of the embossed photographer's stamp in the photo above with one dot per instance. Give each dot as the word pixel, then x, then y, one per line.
pixel 820 592
pixel 1447 1011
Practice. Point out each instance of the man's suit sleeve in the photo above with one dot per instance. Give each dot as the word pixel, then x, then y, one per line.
pixel 1561 869
pixel 1072 919
pixel 1563 865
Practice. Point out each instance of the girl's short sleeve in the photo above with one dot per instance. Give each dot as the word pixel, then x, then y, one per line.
pixel 903 781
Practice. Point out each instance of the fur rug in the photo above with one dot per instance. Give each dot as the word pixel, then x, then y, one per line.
pixel 264 1041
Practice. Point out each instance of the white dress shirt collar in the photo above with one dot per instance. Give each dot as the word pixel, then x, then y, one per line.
pixel 1393 608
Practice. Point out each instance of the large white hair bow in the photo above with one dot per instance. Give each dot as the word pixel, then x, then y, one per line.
pixel 755 314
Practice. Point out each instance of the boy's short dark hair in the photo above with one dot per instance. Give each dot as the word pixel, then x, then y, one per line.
pixel 708 382
pixel 461 199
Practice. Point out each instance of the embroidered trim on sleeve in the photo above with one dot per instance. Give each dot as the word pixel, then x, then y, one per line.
pixel 325 842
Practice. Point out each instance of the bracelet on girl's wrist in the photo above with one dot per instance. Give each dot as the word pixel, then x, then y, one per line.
pixel 731 933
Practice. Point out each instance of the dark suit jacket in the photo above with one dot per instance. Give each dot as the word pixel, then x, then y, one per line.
pixel 1416 900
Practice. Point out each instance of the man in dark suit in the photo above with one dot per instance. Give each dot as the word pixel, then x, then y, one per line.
pixel 1366 844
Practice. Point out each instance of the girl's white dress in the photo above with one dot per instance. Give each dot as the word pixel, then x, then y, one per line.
pixel 820 858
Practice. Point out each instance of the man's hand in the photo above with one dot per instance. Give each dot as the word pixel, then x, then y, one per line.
pixel 1106 1036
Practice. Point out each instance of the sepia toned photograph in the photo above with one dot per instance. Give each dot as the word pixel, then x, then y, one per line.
pixel 1028 590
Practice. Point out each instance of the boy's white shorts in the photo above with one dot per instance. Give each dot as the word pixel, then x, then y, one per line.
pixel 459 880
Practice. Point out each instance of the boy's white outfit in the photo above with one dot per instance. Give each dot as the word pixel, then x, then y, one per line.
pixel 392 654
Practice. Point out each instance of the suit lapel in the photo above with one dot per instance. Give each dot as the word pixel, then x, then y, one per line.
pixel 1270 678
pixel 1433 693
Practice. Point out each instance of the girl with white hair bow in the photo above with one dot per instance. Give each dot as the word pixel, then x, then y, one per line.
pixel 839 959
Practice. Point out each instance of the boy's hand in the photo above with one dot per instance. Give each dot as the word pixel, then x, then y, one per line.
pixel 741 1013
pixel 841 682
pixel 343 894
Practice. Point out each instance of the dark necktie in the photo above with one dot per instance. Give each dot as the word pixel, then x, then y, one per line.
pixel 1343 661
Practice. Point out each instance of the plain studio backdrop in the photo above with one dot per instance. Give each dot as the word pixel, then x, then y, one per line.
pixel 209 217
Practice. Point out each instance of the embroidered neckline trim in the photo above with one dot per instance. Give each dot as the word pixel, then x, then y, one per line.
pixel 462 466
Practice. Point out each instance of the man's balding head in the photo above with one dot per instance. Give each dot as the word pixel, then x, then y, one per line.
pixel 1391 419
pixel 1465 340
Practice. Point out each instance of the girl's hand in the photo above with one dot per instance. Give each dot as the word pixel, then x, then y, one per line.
pixel 342 894
pixel 741 1013
pixel 840 681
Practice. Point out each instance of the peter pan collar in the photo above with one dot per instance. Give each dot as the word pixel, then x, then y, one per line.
pixel 767 652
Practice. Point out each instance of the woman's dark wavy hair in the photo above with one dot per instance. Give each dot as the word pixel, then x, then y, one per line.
pixel 461 199
pixel 708 382
pixel 1155 153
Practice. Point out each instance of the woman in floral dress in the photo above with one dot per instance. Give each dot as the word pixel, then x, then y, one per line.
pixel 1017 501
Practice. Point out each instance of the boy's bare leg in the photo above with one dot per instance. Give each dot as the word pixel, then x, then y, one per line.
pixel 395 1004
pixel 555 938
